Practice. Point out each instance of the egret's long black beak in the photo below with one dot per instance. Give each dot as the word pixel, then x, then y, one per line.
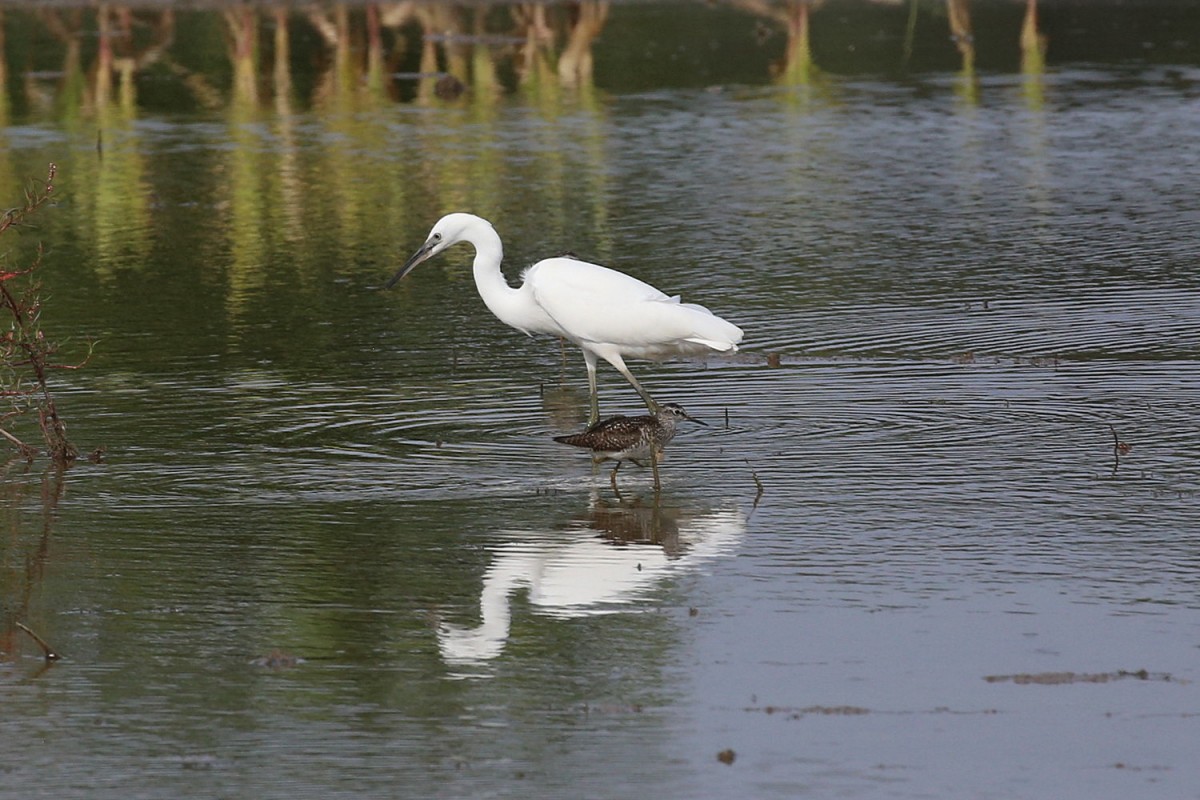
pixel 425 251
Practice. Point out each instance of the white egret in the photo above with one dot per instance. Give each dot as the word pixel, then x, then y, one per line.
pixel 606 313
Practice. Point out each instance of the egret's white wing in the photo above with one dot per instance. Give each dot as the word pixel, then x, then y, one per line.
pixel 595 304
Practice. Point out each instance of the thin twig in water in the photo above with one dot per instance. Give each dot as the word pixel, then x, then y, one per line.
pixel 46 650
pixel 25 450
pixel 758 483
pixel 1119 449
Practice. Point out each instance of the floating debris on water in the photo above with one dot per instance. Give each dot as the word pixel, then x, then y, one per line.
pixel 1059 678
pixel 277 659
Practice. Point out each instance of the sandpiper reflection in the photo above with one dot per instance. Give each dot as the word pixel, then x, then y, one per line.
pixel 611 559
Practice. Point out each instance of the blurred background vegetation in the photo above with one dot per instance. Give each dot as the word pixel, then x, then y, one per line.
pixel 66 58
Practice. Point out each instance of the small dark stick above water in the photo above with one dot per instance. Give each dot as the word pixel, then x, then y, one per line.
pixel 623 438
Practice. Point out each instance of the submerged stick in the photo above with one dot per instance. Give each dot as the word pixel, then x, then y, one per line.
pixel 757 483
pixel 1119 449
pixel 46 649
pixel 25 450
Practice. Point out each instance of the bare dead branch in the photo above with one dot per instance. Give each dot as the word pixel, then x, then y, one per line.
pixel 49 653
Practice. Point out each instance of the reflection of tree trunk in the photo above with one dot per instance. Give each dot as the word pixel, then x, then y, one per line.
pixel 575 63
pixel 104 57
pixel 429 61
pixel 532 64
pixel 375 71
pixel 343 69
pixel 338 81
pixel 282 68
pixel 115 57
pixel 1033 44
pixel 448 21
pixel 4 101
pixel 483 66
pixel 959 12
pixel 798 63
pixel 73 94
pixel 396 15
pixel 243 32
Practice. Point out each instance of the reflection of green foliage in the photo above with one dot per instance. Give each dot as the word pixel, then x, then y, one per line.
pixel 122 197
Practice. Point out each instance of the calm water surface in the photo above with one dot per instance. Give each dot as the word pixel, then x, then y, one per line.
pixel 953 295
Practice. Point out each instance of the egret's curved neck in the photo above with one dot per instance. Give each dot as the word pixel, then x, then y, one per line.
pixel 507 303
pixel 487 640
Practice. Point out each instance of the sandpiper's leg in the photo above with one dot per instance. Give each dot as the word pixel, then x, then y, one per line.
pixel 612 479
pixel 654 467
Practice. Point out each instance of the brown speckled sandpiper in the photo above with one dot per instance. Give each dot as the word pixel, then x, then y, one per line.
pixel 633 439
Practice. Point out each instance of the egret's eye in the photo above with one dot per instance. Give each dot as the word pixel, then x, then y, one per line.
pixel 437 237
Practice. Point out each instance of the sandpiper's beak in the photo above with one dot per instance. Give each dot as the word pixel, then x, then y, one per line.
pixel 693 419
pixel 425 252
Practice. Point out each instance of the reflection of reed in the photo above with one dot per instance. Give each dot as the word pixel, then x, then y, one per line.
pixel 25 561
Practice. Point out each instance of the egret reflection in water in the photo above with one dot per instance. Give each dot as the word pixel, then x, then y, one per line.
pixel 615 556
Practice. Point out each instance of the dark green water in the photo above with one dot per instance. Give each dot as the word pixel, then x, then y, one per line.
pixel 951 284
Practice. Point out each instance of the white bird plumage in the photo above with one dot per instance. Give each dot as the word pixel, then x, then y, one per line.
pixel 606 313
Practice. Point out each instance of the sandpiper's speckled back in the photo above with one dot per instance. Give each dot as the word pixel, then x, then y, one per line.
pixel 629 438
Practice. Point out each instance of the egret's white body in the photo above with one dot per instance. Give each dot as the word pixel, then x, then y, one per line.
pixel 606 313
